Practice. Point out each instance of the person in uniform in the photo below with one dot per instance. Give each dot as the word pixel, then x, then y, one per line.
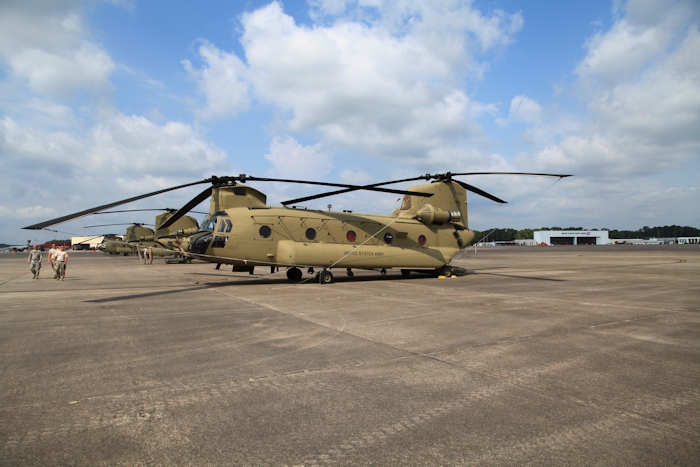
pixel 60 260
pixel 34 261
pixel 52 253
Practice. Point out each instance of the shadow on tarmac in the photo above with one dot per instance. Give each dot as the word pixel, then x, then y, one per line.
pixel 246 280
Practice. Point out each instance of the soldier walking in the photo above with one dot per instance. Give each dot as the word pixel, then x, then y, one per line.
pixel 52 253
pixel 34 261
pixel 60 261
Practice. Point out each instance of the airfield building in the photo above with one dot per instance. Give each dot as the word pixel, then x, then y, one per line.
pixel 572 237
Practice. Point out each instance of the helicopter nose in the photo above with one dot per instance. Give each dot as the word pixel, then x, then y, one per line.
pixel 199 243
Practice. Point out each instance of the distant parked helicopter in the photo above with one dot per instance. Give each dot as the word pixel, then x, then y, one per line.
pixel 422 235
pixel 163 242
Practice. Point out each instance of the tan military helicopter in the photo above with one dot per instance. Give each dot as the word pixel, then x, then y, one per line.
pixel 163 242
pixel 422 235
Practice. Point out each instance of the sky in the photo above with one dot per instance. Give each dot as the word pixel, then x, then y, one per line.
pixel 102 100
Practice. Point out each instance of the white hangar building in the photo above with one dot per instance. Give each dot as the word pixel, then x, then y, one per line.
pixel 572 237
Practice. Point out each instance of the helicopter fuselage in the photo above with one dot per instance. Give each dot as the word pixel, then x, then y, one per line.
pixel 279 236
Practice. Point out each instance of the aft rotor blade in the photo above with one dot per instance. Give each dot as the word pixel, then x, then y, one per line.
pixel 371 187
pixel 58 220
pixel 186 208
pixel 347 190
pixel 474 189
pixel 445 176
pixel 526 174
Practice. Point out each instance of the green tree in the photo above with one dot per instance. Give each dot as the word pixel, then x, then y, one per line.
pixel 525 234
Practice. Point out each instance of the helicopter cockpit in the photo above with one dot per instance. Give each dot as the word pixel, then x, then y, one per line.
pixel 210 221
pixel 201 240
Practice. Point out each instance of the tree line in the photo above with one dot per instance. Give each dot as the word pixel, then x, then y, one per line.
pixel 645 233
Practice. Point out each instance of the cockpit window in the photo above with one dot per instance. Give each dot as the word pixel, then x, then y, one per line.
pixel 225 225
pixel 210 221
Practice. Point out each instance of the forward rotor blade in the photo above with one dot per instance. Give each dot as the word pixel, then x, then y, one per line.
pixel 77 215
pixel 303 182
pixel 137 210
pixel 127 210
pixel 474 189
pixel 186 208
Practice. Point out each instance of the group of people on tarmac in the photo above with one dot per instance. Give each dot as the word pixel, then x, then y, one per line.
pixel 58 258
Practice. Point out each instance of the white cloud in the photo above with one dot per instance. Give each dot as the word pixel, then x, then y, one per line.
pixel 56 153
pixel 292 160
pixel 640 81
pixel 50 113
pixel 123 144
pixel 437 23
pixel 121 157
pixel 33 212
pixel 136 145
pixel 86 68
pixel 45 46
pixel 28 148
pixel 661 106
pixel 222 83
pixel 384 78
pixel 356 177
pixel 522 109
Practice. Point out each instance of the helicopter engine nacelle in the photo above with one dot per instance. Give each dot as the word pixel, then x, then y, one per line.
pixel 429 214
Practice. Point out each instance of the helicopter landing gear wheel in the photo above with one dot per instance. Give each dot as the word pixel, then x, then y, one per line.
pixel 294 274
pixel 325 277
pixel 189 260
pixel 405 272
pixel 446 271
pixel 350 273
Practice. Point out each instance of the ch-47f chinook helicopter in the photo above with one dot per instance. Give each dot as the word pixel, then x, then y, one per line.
pixel 422 235
pixel 162 242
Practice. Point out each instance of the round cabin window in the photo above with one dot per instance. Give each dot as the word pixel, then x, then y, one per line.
pixel 422 240
pixel 311 233
pixel 351 236
pixel 388 237
pixel 265 231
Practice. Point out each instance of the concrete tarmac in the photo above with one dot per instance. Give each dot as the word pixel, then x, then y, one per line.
pixel 538 356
